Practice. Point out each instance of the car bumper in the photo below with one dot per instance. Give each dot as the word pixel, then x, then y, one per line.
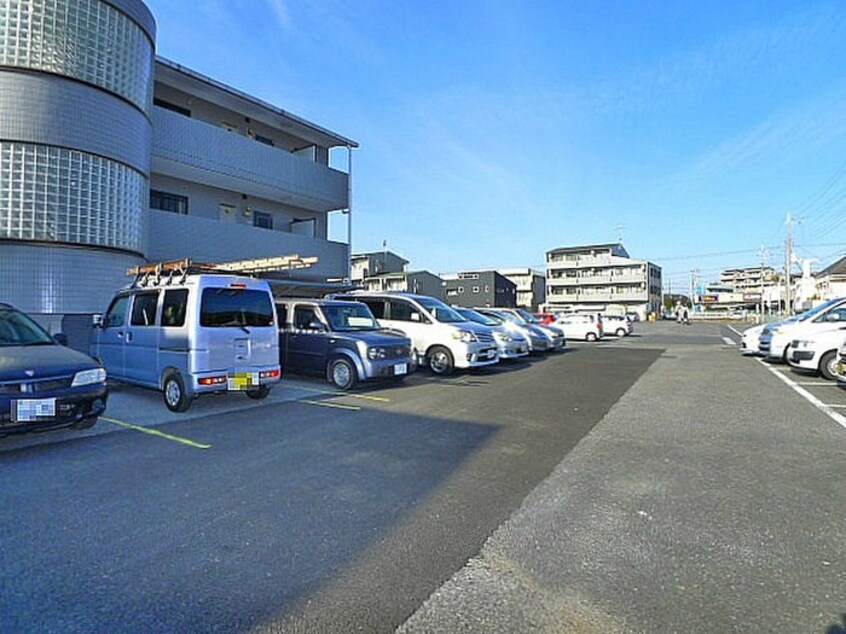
pixel 513 350
pixel 234 379
pixel 72 406
pixel 387 368
pixel 475 355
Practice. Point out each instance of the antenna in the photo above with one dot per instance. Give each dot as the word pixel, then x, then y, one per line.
pixel 619 228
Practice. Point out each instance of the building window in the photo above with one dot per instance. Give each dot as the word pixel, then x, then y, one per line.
pixel 262 220
pixel 161 103
pixel 475 289
pixel 164 201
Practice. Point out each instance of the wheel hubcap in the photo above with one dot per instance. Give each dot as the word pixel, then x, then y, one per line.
pixel 439 362
pixel 172 392
pixel 341 374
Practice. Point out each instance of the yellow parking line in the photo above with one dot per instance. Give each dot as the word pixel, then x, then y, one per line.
pixel 155 432
pixel 328 404
pixel 381 399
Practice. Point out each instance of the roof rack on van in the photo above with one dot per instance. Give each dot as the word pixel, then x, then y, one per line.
pixel 155 272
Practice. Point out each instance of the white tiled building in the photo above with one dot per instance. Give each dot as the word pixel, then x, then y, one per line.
pixel 599 277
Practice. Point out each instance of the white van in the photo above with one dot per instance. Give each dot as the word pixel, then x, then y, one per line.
pixel 442 338
pixel 191 334
pixel 580 326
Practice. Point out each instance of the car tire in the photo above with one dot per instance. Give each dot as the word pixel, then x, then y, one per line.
pixel 342 374
pixel 86 423
pixel 258 394
pixel 440 360
pixel 827 363
pixel 590 336
pixel 173 393
pixel 621 332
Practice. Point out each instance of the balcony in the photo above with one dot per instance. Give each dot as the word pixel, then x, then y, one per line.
pixel 195 151
pixel 174 236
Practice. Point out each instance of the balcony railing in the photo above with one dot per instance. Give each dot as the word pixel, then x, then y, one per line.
pixel 192 150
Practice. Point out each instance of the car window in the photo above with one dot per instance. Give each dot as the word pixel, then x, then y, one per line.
pixel 441 311
pixel 238 307
pixel 17 329
pixel 282 315
pixel 351 317
pixel 174 307
pixel 144 309
pixel 403 311
pixel 837 314
pixel 376 306
pixel 116 315
pixel 304 316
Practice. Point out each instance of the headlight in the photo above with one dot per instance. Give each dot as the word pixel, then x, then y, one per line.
pixel 464 335
pixel 87 377
pixel 376 353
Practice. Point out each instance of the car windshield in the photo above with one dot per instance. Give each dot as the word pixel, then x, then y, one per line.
pixel 16 329
pixel 514 319
pixel 816 310
pixel 479 318
pixel 440 311
pixel 528 317
pixel 350 317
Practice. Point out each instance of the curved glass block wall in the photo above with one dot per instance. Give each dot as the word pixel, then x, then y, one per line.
pixel 88 40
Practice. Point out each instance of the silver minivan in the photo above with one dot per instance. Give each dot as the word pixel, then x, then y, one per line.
pixel 190 335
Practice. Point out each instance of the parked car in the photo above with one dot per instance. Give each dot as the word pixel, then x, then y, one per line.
pixel 441 338
pixel 619 325
pixel 749 339
pixel 538 339
pixel 191 334
pixel 581 326
pixel 776 338
pixel 818 352
pixel 511 344
pixel 544 318
pixel 341 341
pixel 44 384
pixel 633 316
pixel 556 334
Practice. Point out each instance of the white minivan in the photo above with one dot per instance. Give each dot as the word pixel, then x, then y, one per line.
pixel 442 338
pixel 191 334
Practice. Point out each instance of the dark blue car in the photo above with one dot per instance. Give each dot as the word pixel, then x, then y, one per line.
pixel 43 384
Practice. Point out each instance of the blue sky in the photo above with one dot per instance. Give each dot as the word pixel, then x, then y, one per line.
pixel 493 131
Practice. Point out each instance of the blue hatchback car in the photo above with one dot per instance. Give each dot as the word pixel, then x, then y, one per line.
pixel 43 384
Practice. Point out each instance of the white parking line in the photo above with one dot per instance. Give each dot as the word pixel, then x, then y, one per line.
pixel 817 383
pixel 729 342
pixel 735 330
pixel 813 400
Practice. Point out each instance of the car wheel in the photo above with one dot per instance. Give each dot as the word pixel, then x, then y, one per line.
pixel 174 394
pixel 86 423
pixel 441 361
pixel 621 332
pixel 827 363
pixel 261 392
pixel 591 336
pixel 342 374
pixel 785 353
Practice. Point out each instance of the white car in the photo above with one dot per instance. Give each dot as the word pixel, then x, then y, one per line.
pixel 619 325
pixel 577 326
pixel 776 338
pixel 818 352
pixel 749 339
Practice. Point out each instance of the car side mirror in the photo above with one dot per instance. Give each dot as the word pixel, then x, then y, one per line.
pixel 318 326
pixel 61 338
pixel 97 321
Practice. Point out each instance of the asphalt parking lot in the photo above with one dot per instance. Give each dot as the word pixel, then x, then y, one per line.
pixel 637 485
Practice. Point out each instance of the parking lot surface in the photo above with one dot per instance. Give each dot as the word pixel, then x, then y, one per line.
pixel 659 482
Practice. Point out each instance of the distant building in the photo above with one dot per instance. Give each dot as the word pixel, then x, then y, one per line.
pixel 364 265
pixel 420 282
pixel 831 281
pixel 531 286
pixel 480 288
pixel 601 277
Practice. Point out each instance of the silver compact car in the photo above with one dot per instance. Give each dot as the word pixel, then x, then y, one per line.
pixel 539 341
pixel 512 344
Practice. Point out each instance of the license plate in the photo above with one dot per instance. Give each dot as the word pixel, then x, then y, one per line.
pixel 31 410
pixel 401 368
pixel 242 380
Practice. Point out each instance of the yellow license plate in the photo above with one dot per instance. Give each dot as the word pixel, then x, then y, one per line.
pixel 242 380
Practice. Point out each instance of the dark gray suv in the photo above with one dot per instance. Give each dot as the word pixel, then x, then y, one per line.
pixel 339 340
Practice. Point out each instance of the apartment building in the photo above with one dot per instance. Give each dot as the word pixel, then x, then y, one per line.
pixel 531 286
pixel 750 280
pixel 601 277
pixel 480 288
pixel 110 157
pixel 363 265
pixel 419 282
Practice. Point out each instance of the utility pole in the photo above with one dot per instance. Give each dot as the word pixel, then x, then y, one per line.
pixel 762 253
pixel 788 260
pixel 694 273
